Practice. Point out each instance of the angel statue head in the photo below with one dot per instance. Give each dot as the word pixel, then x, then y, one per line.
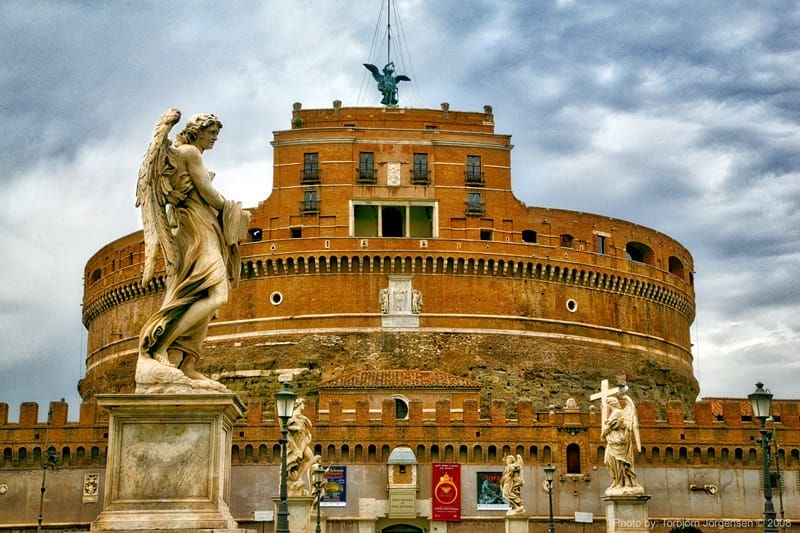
pixel 195 125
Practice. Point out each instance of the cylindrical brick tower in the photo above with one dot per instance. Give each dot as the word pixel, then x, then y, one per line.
pixel 392 240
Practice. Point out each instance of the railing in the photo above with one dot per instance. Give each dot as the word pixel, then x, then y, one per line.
pixel 367 176
pixel 473 179
pixel 308 176
pixel 420 177
pixel 309 207
pixel 475 209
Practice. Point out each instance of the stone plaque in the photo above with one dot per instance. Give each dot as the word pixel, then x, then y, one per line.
pixel 393 174
pixel 402 503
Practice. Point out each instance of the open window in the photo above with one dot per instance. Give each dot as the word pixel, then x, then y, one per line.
pixel 393 219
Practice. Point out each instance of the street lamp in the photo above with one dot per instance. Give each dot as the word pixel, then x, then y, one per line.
pixel 549 471
pixel 761 400
pixel 284 400
pixel 319 482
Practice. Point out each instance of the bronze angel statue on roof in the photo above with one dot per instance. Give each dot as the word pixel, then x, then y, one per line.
pixel 387 82
pixel 198 231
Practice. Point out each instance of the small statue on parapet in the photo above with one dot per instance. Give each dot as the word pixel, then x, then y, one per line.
pixel 620 431
pixel 299 456
pixel 511 484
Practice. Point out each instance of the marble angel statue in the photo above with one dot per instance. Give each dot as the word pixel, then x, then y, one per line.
pixel 198 231
pixel 511 483
pixel 621 434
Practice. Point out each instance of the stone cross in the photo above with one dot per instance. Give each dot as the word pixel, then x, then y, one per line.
pixel 603 396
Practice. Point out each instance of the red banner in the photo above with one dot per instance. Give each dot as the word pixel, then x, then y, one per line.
pixel 446 500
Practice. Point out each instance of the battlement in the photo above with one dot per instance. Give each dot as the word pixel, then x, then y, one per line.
pixel 722 432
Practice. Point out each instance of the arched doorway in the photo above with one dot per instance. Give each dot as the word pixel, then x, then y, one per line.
pixel 401 528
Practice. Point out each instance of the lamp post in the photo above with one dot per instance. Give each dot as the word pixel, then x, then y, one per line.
pixel 549 471
pixel 319 482
pixel 761 400
pixel 284 400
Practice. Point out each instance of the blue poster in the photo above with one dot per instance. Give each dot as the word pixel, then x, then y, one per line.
pixel 335 487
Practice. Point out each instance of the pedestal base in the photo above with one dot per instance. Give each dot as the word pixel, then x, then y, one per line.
pixel 168 466
pixel 517 524
pixel 627 514
pixel 300 516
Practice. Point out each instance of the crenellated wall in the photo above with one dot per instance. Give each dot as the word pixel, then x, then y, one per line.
pixel 721 433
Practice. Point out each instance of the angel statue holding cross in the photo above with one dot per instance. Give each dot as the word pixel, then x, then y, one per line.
pixel 620 431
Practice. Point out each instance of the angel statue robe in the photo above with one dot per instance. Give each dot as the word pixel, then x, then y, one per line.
pixel 207 242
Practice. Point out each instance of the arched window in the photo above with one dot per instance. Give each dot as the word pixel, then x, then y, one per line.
pixel 400 409
pixel 573 459
pixel 639 252
pixel 676 267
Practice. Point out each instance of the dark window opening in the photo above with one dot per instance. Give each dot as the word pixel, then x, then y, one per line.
pixel 400 409
pixel 573 459
pixel 392 222
pixel 601 244
pixel 255 234
pixel 639 252
pixel 366 168
pixel 419 174
pixel 676 267
pixel 96 275
pixel 486 235
pixel 567 240
pixel 529 235
pixel 295 233
pixel 310 168
pixel 474 175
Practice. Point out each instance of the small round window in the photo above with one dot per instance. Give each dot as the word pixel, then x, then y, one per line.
pixel 276 298
pixel 572 305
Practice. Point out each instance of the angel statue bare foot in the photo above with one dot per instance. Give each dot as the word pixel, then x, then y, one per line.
pixel 198 232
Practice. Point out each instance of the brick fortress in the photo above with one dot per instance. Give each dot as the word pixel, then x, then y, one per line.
pixel 417 303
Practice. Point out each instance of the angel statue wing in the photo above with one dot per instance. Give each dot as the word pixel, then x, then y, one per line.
pixel 154 192
pixel 632 421
pixel 375 72
pixel 520 464
pixel 402 77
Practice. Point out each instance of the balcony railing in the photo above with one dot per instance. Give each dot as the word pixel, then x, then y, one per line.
pixel 475 209
pixel 309 207
pixel 308 176
pixel 367 176
pixel 420 177
pixel 473 179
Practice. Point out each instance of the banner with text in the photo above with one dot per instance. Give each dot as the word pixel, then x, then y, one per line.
pixel 335 487
pixel 446 492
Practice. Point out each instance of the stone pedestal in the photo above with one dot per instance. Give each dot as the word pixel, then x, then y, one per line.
pixel 169 462
pixel 517 524
pixel 301 519
pixel 627 514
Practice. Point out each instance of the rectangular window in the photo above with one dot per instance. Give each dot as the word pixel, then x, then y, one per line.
pixel 310 168
pixel 366 167
pixel 474 204
pixel 419 174
pixel 296 233
pixel 474 176
pixel 310 201
pixel 486 235
pixel 393 219
pixel 601 244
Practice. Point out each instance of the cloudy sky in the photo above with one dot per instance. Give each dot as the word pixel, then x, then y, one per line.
pixel 680 116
